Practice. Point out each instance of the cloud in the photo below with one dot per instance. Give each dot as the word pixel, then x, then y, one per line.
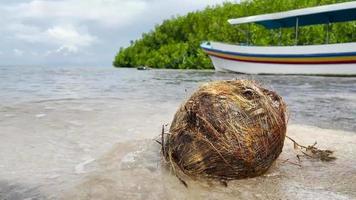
pixel 65 37
pixel 106 12
pixel 64 50
pixel 18 52
pixel 74 29
pixel 69 38
pixel 112 13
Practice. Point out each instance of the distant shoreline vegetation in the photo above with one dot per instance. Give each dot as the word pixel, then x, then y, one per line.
pixel 175 44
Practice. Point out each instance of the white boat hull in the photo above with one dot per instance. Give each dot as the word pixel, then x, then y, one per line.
pixel 224 65
pixel 332 59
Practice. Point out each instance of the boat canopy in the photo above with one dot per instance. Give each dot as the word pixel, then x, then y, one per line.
pixel 340 12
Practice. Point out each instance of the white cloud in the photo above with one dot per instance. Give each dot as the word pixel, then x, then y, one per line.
pixel 55 28
pixel 65 37
pixel 18 52
pixel 35 53
pixel 112 13
pixel 69 37
pixel 67 49
pixel 106 12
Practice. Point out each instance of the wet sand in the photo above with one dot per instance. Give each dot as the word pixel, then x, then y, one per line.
pixel 75 150
pixel 134 171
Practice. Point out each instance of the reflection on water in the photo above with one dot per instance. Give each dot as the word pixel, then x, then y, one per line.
pixel 88 133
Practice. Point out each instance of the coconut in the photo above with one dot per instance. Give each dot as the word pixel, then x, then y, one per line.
pixel 226 130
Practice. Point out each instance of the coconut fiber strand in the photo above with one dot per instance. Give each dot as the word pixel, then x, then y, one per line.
pixel 226 130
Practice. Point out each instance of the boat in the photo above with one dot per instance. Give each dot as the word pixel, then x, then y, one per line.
pixel 324 59
pixel 142 68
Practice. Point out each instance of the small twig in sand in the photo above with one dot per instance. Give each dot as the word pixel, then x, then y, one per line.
pixel 162 140
pixel 313 152
pixel 293 163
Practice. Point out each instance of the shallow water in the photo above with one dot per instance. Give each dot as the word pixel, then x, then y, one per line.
pixel 88 133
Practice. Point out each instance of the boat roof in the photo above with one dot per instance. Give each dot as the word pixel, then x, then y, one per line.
pixel 340 12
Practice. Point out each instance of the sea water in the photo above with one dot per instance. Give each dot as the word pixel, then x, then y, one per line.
pixel 88 133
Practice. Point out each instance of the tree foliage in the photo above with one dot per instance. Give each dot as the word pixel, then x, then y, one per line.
pixel 175 44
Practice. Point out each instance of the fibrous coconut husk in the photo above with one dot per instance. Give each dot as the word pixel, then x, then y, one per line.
pixel 226 130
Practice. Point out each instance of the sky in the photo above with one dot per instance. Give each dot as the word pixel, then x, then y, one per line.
pixel 80 32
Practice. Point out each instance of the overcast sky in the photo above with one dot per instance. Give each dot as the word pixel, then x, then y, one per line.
pixel 79 32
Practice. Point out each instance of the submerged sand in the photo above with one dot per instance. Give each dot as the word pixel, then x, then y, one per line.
pixel 133 171
pixel 94 150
